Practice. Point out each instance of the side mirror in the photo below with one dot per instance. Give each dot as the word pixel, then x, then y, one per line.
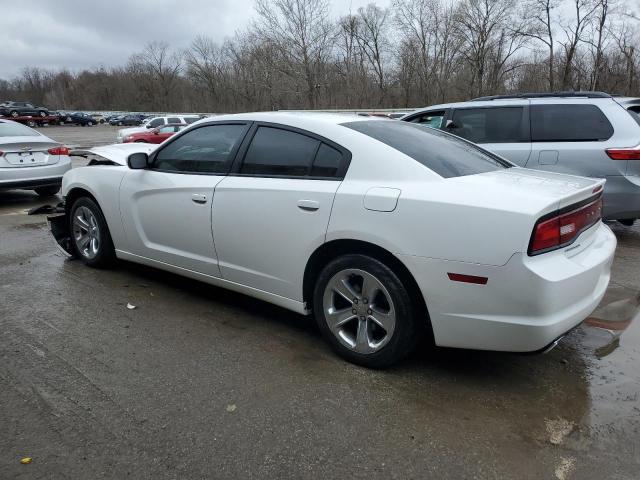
pixel 138 161
pixel 450 124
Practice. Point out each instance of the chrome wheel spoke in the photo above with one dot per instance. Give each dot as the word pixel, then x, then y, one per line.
pixel 337 318
pixel 363 344
pixel 369 287
pixel 386 320
pixel 342 287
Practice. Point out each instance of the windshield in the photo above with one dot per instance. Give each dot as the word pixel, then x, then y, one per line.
pixel 8 129
pixel 447 155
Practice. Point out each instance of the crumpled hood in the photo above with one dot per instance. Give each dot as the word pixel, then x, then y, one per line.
pixel 117 152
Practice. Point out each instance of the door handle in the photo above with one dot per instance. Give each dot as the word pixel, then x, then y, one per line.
pixel 308 205
pixel 199 198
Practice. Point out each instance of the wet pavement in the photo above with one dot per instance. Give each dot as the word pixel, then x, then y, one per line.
pixel 200 382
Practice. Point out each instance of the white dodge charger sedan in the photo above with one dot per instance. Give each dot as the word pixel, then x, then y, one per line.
pixel 31 161
pixel 386 231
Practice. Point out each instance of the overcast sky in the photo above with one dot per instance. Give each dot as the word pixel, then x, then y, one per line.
pixel 85 34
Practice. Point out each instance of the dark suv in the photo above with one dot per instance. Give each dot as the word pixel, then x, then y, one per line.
pixel 19 109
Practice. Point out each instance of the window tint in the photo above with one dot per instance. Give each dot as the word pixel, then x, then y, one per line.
pixel 327 162
pixel 191 119
pixel 173 120
pixel 274 151
pixel 203 150
pixel 8 129
pixel 489 125
pixel 445 154
pixel 569 123
pixel 156 122
pixel 429 119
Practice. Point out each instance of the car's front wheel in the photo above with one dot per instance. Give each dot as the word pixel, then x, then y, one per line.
pixel 90 235
pixel 365 312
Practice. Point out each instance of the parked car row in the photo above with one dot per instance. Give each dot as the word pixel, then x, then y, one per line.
pixel 155 122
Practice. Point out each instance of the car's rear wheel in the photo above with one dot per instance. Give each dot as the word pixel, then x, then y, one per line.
pixel 365 312
pixel 90 235
pixel 140 141
pixel 47 191
pixel 90 124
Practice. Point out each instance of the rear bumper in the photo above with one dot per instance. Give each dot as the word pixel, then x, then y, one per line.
pixel 32 177
pixel 526 304
pixel 621 197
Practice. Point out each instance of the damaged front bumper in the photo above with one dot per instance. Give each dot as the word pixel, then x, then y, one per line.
pixel 58 221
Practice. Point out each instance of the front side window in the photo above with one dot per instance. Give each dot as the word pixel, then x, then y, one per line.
pixel 156 122
pixel 429 119
pixel 277 152
pixel 489 125
pixel 569 123
pixel 207 149
pixel 444 154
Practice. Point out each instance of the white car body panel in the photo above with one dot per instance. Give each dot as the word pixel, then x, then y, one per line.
pixel 255 234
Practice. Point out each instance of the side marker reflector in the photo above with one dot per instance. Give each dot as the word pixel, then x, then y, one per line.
pixel 459 277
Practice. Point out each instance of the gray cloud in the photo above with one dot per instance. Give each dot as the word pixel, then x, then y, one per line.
pixel 87 34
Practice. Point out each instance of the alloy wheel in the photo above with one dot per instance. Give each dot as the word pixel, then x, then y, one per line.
pixel 86 232
pixel 359 311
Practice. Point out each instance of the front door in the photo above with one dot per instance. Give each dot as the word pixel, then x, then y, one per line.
pixel 166 208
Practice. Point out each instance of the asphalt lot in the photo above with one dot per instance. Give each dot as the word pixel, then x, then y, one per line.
pixel 200 382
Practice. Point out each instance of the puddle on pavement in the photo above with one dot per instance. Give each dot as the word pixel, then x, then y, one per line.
pixel 611 345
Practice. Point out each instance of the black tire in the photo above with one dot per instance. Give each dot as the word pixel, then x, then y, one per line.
pixel 627 222
pixel 90 124
pixel 408 324
pixel 47 191
pixel 105 255
pixel 140 141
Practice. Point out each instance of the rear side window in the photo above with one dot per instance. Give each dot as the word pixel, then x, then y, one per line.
pixel 191 119
pixel 173 120
pixel 569 123
pixel 429 119
pixel 16 130
pixel 445 154
pixel 327 162
pixel 206 149
pixel 489 125
pixel 276 152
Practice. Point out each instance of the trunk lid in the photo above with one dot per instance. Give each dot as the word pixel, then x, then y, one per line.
pixel 27 152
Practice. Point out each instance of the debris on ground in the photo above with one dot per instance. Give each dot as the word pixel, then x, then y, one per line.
pixel 131 307
pixel 25 460
pixel 231 407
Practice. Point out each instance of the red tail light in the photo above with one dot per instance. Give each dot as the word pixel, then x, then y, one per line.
pixel 623 153
pixel 61 150
pixel 561 228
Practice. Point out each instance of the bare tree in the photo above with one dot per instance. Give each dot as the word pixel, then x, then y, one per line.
pixel 301 31
pixel 574 34
pixel 158 68
pixel 371 33
pixel 537 23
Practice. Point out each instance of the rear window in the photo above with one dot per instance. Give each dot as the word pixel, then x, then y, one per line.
pixel 569 123
pixel 445 154
pixel 16 130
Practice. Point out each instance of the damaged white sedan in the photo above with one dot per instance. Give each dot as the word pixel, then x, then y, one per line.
pixel 386 231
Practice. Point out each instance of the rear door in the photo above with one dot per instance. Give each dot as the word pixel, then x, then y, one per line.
pixel 166 208
pixel 500 129
pixel 272 211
